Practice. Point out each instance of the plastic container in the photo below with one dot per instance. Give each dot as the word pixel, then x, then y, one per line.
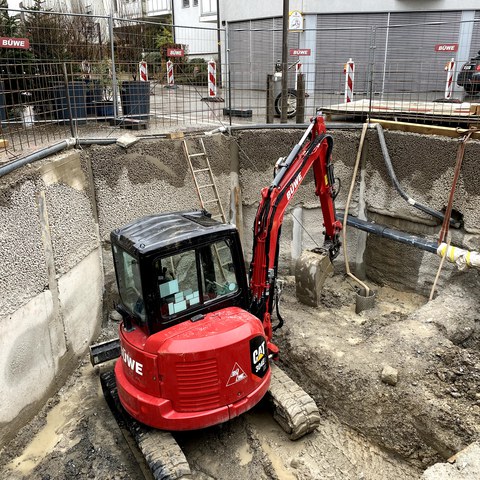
pixel 78 102
pixel 135 96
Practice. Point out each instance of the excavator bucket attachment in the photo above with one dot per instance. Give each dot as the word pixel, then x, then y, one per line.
pixel 311 270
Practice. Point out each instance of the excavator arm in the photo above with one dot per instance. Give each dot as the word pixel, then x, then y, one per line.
pixel 313 151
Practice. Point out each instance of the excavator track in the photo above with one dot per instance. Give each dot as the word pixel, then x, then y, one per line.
pixel 294 409
pixel 160 450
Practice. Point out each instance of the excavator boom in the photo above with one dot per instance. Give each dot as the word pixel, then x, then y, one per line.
pixel 314 153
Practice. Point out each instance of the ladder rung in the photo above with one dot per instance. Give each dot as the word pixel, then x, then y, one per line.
pixel 196 154
pixel 211 201
pixel 201 170
pixel 205 186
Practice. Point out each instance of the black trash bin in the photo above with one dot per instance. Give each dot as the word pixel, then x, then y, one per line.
pixel 78 104
pixel 93 95
pixel 135 96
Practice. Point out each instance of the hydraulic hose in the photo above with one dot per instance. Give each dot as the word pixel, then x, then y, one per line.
pixel 391 174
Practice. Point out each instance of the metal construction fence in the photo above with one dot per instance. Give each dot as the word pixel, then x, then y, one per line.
pixel 83 75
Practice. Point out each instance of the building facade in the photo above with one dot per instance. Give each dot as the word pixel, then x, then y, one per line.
pixel 397 45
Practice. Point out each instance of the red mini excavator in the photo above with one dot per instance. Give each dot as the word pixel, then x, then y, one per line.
pixel 196 337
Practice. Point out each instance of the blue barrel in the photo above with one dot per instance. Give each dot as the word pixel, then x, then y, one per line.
pixel 93 95
pixel 135 96
pixel 78 104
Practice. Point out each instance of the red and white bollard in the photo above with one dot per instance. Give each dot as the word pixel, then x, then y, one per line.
pixel 170 79
pixel 143 70
pixel 298 71
pixel 212 79
pixel 349 71
pixel 449 68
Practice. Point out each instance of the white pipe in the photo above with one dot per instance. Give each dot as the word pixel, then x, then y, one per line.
pixel 462 258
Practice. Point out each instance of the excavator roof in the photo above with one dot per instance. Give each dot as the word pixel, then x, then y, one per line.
pixel 156 232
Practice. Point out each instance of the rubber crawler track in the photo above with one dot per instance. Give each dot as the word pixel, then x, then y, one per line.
pixel 160 450
pixel 295 410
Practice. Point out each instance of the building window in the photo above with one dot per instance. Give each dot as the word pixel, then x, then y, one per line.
pixel 186 3
pixel 195 3
pixel 209 7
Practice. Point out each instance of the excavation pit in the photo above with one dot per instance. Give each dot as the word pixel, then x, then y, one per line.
pixel 373 426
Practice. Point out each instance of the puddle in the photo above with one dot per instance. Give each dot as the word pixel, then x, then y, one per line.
pixel 43 443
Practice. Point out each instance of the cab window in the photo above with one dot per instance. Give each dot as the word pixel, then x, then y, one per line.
pixel 129 282
pixel 192 278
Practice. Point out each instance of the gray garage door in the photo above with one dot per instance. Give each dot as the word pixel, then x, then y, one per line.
pixel 255 46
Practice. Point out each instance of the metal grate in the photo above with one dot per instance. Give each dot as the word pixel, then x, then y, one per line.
pixel 198 385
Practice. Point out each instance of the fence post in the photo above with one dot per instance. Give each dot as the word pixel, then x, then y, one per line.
pixel 298 71
pixel 300 99
pixel 229 75
pixel 73 125
pixel 270 99
pixel 114 67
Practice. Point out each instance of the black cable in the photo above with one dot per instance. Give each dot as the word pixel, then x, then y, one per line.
pixel 396 184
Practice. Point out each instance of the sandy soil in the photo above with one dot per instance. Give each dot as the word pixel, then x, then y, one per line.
pixel 370 429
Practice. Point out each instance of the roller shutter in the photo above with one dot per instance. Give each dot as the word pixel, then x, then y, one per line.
pixel 255 46
pixel 412 63
pixel 475 45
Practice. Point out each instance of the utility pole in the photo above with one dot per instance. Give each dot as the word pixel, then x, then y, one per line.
pixel 283 103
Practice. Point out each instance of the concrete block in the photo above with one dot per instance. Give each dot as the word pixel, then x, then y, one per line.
pixel 80 296
pixel 27 363
pixel 465 465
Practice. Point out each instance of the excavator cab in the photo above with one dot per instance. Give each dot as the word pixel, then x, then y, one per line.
pixel 191 354
pixel 174 267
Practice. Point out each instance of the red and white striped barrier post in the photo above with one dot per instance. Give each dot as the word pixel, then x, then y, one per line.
pixel 170 79
pixel 143 69
pixel 449 68
pixel 212 79
pixel 349 71
pixel 298 71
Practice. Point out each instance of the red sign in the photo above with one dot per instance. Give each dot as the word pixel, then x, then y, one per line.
pixel 175 52
pixel 301 51
pixel 446 47
pixel 7 42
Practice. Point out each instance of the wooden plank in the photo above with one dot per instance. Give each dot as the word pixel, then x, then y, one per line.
pixel 3 143
pixel 174 135
pixel 423 129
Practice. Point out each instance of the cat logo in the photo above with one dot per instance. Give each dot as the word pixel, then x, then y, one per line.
pixel 258 356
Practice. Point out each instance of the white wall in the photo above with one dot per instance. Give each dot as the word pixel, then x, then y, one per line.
pixel 202 40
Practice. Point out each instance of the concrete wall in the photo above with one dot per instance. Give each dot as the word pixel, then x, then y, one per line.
pixel 56 217
pixel 51 282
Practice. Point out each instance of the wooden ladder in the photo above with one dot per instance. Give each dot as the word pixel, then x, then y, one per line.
pixel 206 190
pixel 204 180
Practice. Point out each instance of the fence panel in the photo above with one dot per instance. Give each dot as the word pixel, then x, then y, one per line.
pixel 83 75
